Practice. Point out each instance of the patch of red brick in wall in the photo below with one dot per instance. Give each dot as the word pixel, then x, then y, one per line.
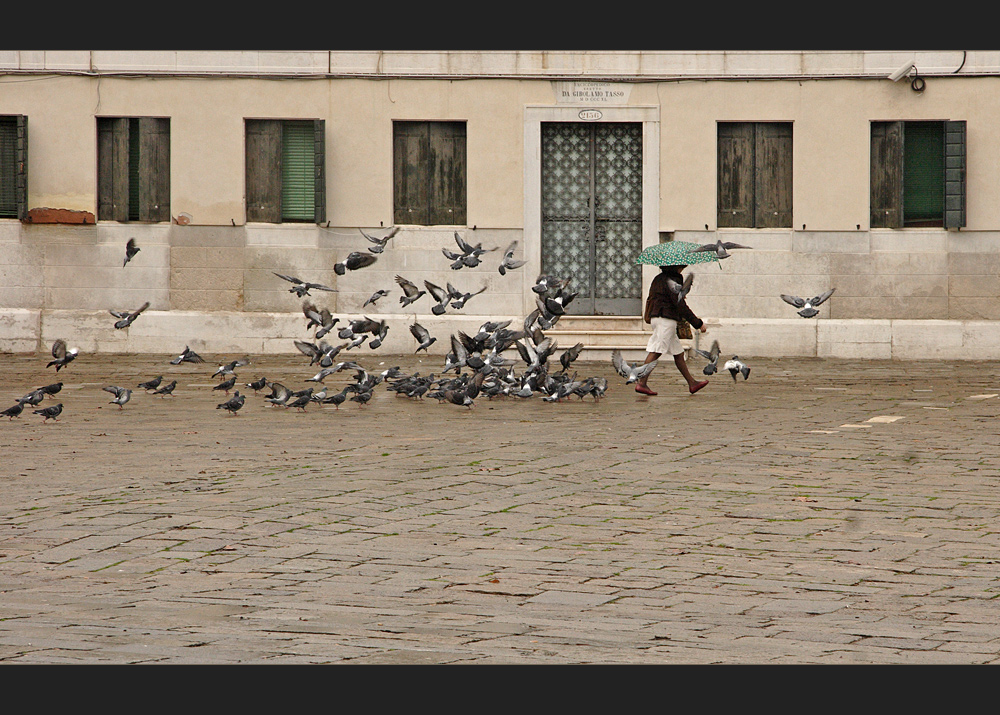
pixel 47 215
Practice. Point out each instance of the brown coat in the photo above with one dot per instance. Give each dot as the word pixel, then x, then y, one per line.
pixel 662 302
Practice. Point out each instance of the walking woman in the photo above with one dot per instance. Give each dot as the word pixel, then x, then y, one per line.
pixel 663 309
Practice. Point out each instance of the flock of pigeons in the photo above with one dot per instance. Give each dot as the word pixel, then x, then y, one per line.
pixel 478 361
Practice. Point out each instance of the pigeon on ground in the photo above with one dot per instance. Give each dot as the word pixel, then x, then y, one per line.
pixel 13 411
pixel 257 385
pixel 33 398
pixel 233 404
pixel 166 390
pixel 51 389
pixel 151 384
pixel 410 291
pixel 507 263
pixel 362 398
pixel 808 307
pixel 378 244
pixel 301 287
pixel 712 355
pixel 188 355
pixel 353 262
pixel 62 356
pixel 630 371
pixel 50 413
pixel 226 385
pixel 720 248
pixel 126 317
pixel 422 335
pixel 374 297
pixel 130 250
pixel 737 366
pixel 230 367
pixel 299 402
pixel 336 399
pixel 122 395
pixel 279 394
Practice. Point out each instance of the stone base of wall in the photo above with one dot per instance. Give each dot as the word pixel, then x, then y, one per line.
pixel 220 332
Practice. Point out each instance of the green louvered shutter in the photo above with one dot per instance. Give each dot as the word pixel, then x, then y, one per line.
pixel 923 174
pixel 954 174
pixel 319 169
pixel 8 167
pixel 133 169
pixel 298 167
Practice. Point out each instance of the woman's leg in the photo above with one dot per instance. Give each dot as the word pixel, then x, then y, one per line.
pixel 640 384
pixel 693 384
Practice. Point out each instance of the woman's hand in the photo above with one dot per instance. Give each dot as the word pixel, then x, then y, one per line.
pixel 703 328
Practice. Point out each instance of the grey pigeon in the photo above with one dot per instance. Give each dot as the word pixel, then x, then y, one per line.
pixel 424 338
pixel 681 289
pixel 808 307
pixel 630 371
pixel 127 318
pixel 151 384
pixel 257 385
pixel 720 248
pixel 507 263
pixel 226 385
pixel 374 297
pixel 130 250
pixel 440 295
pixel 33 398
pixel 460 299
pixel 62 356
pixel 571 354
pixel 122 395
pixel 51 389
pixel 318 318
pixel 233 404
pixel 378 244
pixel 188 355
pixel 353 262
pixel 712 355
pixel 13 411
pixel 166 390
pixel 410 291
pixel 50 413
pixel 301 287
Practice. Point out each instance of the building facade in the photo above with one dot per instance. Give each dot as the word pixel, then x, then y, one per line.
pixel 874 173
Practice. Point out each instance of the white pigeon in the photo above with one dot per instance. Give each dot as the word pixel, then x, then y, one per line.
pixel 737 366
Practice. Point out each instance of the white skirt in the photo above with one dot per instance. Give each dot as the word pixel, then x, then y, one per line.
pixel 664 339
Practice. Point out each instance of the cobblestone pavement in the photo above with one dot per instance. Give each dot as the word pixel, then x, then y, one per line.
pixel 822 511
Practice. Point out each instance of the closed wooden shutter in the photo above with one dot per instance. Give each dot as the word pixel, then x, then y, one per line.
pixel 298 166
pixel 119 168
pixel 886 175
pixel 773 175
pixel 410 151
pixel 447 166
pixel 319 168
pixel 263 170
pixel 954 174
pixel 154 169
pixel 735 175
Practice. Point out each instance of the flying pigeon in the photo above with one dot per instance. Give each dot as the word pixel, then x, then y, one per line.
pixel 13 411
pixel 460 299
pixel 166 389
pixel 374 297
pixel 301 287
pixel 720 248
pixel 63 357
pixel 423 337
pixel 737 366
pixel 353 262
pixel 230 367
pixel 122 395
pixel 808 307
pixel 681 289
pixel 507 263
pixel 571 354
pixel 127 318
pixel 188 355
pixel 630 371
pixel 410 291
pixel 151 384
pixel 712 355
pixel 321 319
pixel 233 404
pixel 545 283
pixel 379 243
pixel 440 295
pixel 130 250
pixel 50 413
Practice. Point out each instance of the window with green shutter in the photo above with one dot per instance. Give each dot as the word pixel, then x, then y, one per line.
pixel 918 174
pixel 285 174
pixel 13 166
pixel 133 169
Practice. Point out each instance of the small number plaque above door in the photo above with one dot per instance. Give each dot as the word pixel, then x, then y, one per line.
pixel 590 115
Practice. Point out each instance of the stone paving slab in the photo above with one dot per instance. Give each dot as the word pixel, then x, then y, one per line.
pixel 823 511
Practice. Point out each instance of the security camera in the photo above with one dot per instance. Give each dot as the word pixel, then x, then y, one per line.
pixel 902 71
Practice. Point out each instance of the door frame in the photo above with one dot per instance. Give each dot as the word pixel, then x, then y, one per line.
pixel 533 118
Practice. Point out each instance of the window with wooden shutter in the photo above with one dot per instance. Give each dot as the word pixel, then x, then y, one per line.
pixel 918 174
pixel 8 167
pixel 133 169
pixel 429 173
pixel 285 170
pixel 754 178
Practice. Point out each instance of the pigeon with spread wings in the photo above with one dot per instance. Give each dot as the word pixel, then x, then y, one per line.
pixel 630 371
pixel 127 318
pixel 301 287
pixel 808 307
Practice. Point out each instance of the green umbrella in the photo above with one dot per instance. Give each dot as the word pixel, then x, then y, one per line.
pixel 674 253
